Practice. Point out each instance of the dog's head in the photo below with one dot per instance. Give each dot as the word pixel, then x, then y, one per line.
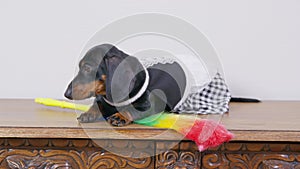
pixel 104 69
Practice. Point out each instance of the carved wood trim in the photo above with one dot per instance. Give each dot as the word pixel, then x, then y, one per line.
pixel 251 160
pixel 257 147
pixel 252 155
pixel 51 159
pixel 38 162
pixel 83 153
pixel 173 159
pixel 177 155
pixel 75 154
pixel 270 164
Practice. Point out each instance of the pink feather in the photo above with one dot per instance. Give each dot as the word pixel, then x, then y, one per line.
pixel 206 134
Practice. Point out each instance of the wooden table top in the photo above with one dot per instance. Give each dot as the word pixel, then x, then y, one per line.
pixel 266 121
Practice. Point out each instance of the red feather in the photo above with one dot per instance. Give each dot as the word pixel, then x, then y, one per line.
pixel 207 133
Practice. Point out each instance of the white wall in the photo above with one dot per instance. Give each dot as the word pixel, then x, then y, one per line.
pixel 257 41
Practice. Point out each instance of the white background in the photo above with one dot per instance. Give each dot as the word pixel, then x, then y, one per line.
pixel 257 41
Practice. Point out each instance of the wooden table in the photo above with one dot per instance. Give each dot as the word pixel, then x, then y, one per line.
pixel 266 134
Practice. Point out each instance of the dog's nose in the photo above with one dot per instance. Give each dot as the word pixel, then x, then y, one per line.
pixel 68 93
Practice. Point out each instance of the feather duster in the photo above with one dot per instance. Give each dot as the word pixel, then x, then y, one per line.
pixel 205 133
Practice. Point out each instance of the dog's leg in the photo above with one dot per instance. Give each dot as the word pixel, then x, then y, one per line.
pixel 146 106
pixel 92 115
pixel 120 119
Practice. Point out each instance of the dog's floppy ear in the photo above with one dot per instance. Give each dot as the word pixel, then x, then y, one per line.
pixel 124 77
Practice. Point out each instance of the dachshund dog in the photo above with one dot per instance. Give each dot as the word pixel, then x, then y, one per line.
pixel 123 88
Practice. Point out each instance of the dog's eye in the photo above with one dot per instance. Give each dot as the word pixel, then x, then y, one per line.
pixel 86 68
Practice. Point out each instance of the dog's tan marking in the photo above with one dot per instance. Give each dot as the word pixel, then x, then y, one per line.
pixel 100 86
pixel 120 119
pixel 82 91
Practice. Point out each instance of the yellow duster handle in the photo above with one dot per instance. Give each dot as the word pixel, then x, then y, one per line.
pixel 62 104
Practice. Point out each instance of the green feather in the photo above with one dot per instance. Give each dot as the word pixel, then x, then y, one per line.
pixel 151 120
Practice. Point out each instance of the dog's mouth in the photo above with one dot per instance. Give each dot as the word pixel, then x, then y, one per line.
pixel 80 95
pixel 84 91
pixel 78 92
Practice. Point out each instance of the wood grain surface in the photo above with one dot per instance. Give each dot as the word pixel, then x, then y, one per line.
pixel 266 121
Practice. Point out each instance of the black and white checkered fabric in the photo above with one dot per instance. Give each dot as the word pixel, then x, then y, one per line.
pixel 212 99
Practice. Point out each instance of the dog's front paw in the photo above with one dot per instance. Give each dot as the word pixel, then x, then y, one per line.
pixel 89 116
pixel 119 119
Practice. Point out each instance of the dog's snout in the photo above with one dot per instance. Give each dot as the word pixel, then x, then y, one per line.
pixel 68 93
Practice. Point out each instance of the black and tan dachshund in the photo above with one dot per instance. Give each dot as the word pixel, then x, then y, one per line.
pixel 123 88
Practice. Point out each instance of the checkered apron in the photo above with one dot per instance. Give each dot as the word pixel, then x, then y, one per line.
pixel 212 99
